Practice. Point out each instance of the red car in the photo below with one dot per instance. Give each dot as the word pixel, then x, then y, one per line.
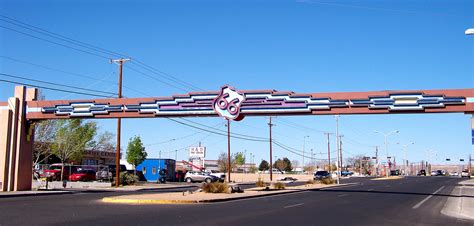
pixel 83 175
pixel 54 171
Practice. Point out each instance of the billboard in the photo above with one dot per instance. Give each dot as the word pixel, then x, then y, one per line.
pixel 197 152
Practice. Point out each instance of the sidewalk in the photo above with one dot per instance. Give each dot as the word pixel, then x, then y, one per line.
pixel 32 193
pixel 201 197
pixel 461 202
pixel 55 188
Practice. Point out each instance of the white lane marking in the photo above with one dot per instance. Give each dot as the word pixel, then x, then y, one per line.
pixel 426 199
pixel 342 195
pixel 370 189
pixel 299 204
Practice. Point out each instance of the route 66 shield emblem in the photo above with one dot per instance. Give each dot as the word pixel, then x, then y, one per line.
pixel 227 103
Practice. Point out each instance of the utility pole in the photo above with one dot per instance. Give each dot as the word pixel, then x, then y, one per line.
pixel 176 155
pixel 270 125
pixel 338 167
pixel 329 153
pixel 228 150
pixel 377 160
pixel 119 122
pixel 304 142
pixel 340 151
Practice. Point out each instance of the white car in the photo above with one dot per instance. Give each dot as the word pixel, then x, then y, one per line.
pixel 454 174
pixel 465 173
pixel 275 171
pixel 217 174
pixel 192 176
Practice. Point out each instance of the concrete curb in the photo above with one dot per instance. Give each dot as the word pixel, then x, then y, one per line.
pixel 38 193
pixel 158 201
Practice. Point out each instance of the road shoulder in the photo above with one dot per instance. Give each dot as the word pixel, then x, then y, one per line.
pixel 461 202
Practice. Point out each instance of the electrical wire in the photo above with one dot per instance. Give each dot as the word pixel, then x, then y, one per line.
pixel 54 89
pixel 56 84
pixel 56 43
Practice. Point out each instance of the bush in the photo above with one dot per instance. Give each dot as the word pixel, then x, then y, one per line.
pixel 311 181
pixel 127 179
pixel 215 187
pixel 328 181
pixel 279 186
pixel 260 183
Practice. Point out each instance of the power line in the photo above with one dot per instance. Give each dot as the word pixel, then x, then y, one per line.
pixel 94 48
pixel 166 75
pixel 179 138
pixel 56 43
pixel 69 73
pixel 236 134
pixel 56 84
pixel 155 78
pixel 58 36
pixel 55 89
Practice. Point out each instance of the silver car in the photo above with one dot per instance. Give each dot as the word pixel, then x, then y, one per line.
pixel 193 176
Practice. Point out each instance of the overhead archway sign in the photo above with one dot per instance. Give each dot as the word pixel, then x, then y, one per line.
pixel 18 114
pixel 235 104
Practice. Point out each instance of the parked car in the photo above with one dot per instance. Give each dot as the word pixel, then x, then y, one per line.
pixel 421 173
pixel 437 173
pixel 465 173
pixel 394 172
pixel 289 179
pixel 454 174
pixel 319 175
pixel 346 173
pixel 217 174
pixel 275 171
pixel 108 173
pixel 193 176
pixel 83 175
pixel 54 171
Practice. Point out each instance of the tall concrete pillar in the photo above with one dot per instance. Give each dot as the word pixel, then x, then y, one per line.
pixel 5 141
pixel 16 142
pixel 24 148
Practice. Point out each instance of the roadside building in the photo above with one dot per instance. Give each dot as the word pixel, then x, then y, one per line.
pixel 154 169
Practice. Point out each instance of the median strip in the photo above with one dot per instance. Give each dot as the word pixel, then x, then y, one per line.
pixel 201 197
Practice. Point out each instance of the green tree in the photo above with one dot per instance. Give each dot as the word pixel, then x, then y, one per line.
pixel 264 165
pixel 239 159
pixel 72 138
pixel 136 153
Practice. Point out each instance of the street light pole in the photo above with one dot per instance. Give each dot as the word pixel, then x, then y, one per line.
pixel 405 162
pixel 304 142
pixel 387 171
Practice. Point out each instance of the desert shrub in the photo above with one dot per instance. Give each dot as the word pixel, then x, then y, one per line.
pixel 127 179
pixel 260 183
pixel 279 186
pixel 328 181
pixel 311 181
pixel 215 187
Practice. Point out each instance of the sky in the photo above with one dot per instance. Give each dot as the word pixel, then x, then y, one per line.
pixel 302 46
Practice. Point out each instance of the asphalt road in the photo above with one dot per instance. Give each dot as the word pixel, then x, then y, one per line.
pixel 390 202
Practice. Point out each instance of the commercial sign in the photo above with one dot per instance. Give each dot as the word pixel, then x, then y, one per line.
pixel 197 152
